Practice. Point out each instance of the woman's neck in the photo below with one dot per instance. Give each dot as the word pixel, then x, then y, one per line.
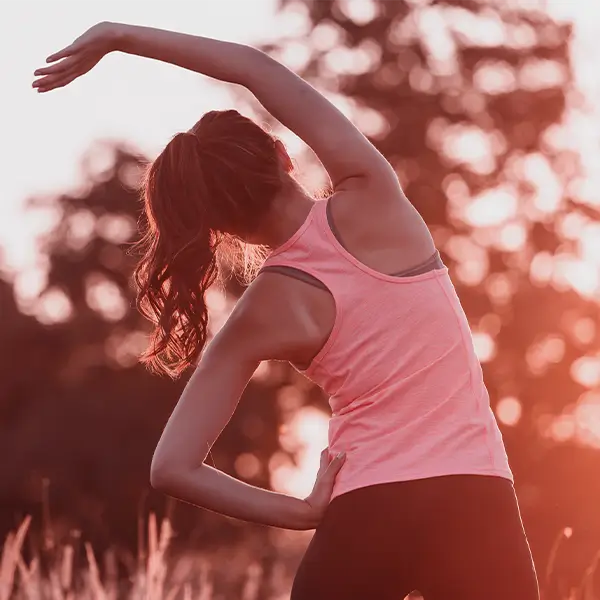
pixel 286 216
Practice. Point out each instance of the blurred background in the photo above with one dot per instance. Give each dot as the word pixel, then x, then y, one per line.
pixel 489 112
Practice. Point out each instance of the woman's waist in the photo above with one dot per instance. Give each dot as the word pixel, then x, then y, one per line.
pixel 414 384
pixel 363 469
pixel 470 438
pixel 410 405
pixel 372 441
pixel 438 481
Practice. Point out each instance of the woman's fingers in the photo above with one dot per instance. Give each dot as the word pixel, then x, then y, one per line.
pixel 61 79
pixel 70 49
pixel 60 67
pixel 58 83
pixel 335 465
pixel 47 81
pixel 324 459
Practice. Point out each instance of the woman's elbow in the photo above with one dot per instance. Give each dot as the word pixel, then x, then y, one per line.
pixel 163 475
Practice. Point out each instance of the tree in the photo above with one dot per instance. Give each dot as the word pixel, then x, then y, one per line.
pixel 80 416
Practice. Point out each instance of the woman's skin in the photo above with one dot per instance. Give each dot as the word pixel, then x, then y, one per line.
pixel 278 317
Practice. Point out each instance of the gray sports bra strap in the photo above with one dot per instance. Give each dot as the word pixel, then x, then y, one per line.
pixel 433 262
pixel 297 274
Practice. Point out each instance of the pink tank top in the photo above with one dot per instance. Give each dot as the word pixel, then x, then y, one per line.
pixel 406 389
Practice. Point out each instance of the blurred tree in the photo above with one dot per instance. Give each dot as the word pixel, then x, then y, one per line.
pixel 79 416
pixel 468 100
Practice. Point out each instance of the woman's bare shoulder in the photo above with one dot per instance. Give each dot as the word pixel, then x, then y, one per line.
pixel 275 319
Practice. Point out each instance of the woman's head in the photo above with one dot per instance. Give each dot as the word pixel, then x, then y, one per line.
pixel 205 195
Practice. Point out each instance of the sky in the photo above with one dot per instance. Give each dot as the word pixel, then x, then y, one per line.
pixel 125 97
pixel 145 103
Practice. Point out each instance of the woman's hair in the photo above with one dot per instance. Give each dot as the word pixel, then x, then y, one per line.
pixel 208 190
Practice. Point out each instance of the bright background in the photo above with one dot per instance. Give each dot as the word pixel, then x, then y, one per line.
pixel 146 102
pixel 45 138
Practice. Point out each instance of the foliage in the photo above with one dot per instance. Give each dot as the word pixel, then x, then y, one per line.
pixel 79 417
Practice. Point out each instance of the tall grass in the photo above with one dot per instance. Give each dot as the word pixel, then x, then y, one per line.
pixel 159 576
pixel 156 577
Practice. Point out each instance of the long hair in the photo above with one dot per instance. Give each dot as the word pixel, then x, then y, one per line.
pixel 209 188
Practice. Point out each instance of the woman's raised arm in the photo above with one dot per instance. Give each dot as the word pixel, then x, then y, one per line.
pixel 340 146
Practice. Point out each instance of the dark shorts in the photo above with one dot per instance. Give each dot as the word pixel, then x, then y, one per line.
pixel 457 537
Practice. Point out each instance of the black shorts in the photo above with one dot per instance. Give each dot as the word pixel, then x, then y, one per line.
pixel 457 537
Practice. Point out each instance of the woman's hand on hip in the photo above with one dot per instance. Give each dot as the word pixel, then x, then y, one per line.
pixel 319 498
pixel 79 57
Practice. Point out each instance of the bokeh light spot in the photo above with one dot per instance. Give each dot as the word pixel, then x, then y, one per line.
pixel 509 411
pixel 485 346
pixel 247 466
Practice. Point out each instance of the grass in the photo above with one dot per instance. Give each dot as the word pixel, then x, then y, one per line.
pixel 157 575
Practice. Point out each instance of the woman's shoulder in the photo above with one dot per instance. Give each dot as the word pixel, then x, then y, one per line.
pixel 277 316
pixel 379 225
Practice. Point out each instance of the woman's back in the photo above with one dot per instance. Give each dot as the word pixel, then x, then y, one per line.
pixel 406 390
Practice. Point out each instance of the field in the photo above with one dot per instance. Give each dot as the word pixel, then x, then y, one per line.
pixel 156 575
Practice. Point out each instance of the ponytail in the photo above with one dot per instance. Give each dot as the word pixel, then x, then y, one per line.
pixel 203 193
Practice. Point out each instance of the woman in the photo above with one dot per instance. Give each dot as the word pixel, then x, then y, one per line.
pixel 415 490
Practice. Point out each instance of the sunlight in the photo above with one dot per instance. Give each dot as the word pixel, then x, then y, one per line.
pixel 360 13
pixel 123 348
pixel 485 346
pixel 495 78
pixel 509 411
pixel 53 307
pixel 545 352
pixel 219 308
pixel 105 297
pixel 117 229
pixel 353 61
pixel 581 423
pixel 586 371
pixel 472 260
pixel 562 428
pixel 549 191
pixel 541 74
pixel 541 267
pixel 79 229
pixel 125 98
pixel 438 40
pixel 499 288
pixel 580 275
pixel 308 432
pixel 589 243
pixel 587 419
pixel 492 207
pixel 513 236
pixel 467 145
pixel 247 465
pixel 584 330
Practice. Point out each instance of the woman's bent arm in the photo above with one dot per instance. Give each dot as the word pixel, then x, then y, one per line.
pixel 251 334
pixel 178 468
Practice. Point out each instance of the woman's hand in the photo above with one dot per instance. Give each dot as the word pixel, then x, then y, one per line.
pixel 319 498
pixel 79 57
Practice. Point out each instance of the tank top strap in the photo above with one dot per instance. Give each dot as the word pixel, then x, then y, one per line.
pixel 310 250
